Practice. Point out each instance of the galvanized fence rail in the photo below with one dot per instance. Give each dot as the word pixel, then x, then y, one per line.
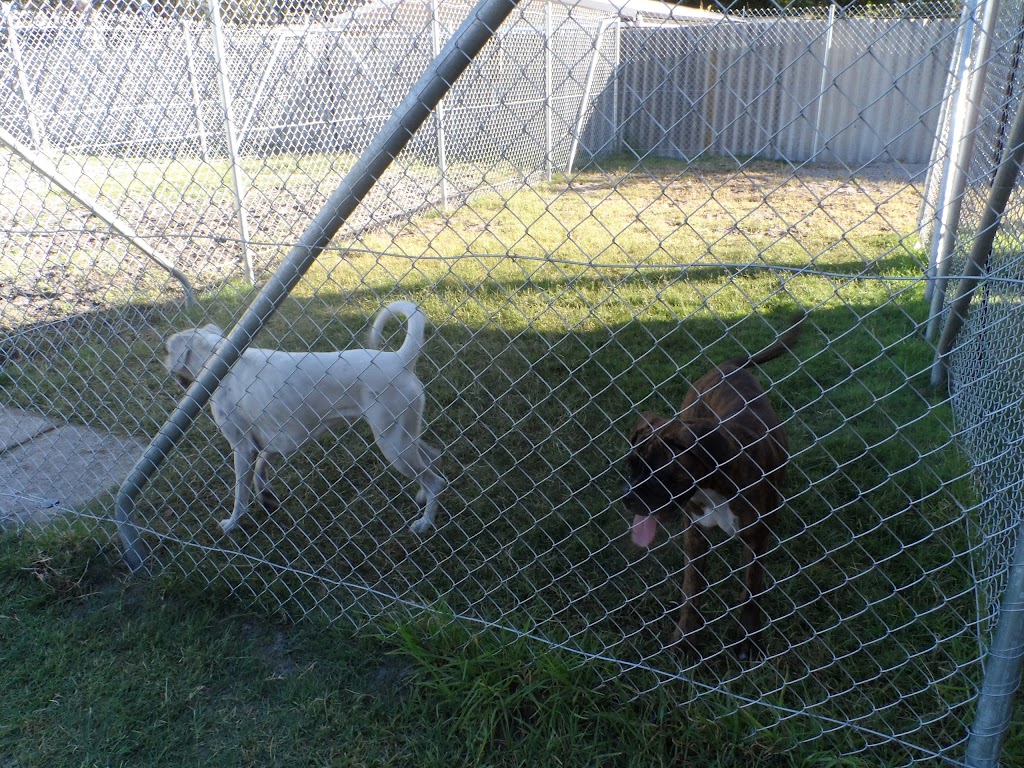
pixel 596 212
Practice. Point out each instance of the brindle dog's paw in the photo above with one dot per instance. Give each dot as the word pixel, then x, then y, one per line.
pixel 691 645
pixel 748 648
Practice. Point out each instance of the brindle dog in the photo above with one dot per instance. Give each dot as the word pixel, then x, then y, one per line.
pixel 721 463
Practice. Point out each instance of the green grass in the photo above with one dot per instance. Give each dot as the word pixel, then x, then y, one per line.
pixel 104 669
pixel 558 313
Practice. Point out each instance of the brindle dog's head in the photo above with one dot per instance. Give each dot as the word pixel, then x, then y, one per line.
pixel 655 480
pixel 667 462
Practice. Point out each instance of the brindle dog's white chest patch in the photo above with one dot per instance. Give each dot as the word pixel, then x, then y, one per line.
pixel 713 511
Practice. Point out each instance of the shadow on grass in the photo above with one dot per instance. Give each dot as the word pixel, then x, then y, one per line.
pixel 531 390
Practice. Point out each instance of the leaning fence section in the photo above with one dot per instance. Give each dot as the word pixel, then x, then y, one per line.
pixel 599 211
pixel 985 383
pixel 276 113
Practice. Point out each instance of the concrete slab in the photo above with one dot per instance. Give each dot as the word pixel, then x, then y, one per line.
pixel 61 469
pixel 18 426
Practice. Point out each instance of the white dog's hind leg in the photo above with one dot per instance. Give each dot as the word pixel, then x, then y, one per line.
pixel 245 470
pixel 265 493
pixel 408 456
pixel 432 483
pixel 428 501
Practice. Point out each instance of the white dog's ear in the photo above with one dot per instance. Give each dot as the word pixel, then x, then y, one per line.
pixel 213 328
pixel 176 345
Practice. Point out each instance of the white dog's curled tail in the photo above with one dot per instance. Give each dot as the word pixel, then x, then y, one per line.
pixel 413 344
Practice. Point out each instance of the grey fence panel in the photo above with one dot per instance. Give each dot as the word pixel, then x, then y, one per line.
pixel 887 87
pixel 754 88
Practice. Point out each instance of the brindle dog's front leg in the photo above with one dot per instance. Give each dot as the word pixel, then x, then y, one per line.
pixel 690 629
pixel 754 544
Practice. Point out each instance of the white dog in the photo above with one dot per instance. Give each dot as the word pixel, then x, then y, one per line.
pixel 272 402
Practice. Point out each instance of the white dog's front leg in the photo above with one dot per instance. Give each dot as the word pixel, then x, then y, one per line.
pixel 245 469
pixel 426 522
pixel 427 499
pixel 264 492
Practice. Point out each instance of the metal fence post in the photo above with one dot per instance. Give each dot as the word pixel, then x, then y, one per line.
pixel 616 142
pixel 478 28
pixel 549 161
pixel 963 119
pixel 1002 671
pixel 932 201
pixel 581 115
pixel 193 84
pixel 217 32
pixel 825 85
pixel 442 157
pixel 19 70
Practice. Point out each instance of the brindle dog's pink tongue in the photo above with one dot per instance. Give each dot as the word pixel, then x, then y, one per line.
pixel 644 529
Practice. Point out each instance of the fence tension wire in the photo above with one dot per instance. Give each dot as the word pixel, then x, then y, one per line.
pixel 477 29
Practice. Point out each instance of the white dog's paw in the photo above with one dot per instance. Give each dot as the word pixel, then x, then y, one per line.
pixel 227 526
pixel 421 526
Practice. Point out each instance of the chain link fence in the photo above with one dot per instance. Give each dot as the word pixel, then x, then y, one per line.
pixel 602 208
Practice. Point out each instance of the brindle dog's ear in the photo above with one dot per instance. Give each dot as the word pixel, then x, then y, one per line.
pixel 670 440
pixel 677 435
pixel 714 448
pixel 648 424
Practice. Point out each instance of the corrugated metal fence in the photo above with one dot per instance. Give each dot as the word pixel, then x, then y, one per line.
pixel 850 90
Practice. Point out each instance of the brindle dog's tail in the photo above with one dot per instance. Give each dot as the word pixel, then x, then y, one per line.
pixel 785 341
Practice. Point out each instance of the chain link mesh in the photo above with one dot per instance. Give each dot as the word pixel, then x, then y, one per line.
pixel 986 385
pixel 603 208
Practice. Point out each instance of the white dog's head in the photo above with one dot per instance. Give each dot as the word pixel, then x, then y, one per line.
pixel 189 350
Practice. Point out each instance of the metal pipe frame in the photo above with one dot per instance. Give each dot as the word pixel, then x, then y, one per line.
pixel 43 165
pixel 230 134
pixel 963 131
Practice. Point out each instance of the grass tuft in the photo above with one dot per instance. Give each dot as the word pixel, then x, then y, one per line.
pixel 502 695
